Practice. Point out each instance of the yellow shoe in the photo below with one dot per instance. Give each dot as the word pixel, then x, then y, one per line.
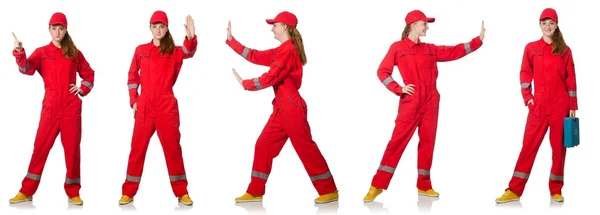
pixel 125 200
pixel 372 194
pixel 558 198
pixel 248 198
pixel 508 196
pixel 186 200
pixel 20 197
pixel 76 200
pixel 430 193
pixel 327 198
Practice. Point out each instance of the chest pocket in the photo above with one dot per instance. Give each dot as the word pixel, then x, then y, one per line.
pixel 405 58
pixel 536 57
pixel 47 63
pixel 428 58
pixel 144 60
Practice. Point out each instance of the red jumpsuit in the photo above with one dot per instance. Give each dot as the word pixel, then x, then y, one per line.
pixel 555 94
pixel 157 110
pixel 61 112
pixel 417 63
pixel 288 120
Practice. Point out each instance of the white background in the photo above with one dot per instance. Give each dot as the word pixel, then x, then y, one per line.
pixel 481 122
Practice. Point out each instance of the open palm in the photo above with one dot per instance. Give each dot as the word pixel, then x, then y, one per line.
pixel 190 28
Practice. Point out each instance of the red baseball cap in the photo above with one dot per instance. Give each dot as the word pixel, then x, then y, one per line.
pixel 58 18
pixel 284 17
pixel 549 13
pixel 417 15
pixel 159 16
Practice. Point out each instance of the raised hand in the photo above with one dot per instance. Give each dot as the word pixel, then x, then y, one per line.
pixel 18 44
pixel 190 28
pixel 237 76
pixel 229 31
pixel 482 34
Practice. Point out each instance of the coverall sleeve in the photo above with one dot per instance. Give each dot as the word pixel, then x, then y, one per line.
pixel 189 47
pixel 263 58
pixel 86 73
pixel 27 66
pixel 133 81
pixel 278 71
pixel 450 53
pixel 571 82
pixel 384 72
pixel 526 76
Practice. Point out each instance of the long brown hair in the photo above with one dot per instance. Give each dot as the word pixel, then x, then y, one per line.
pixel 297 39
pixel 558 42
pixel 406 31
pixel 69 50
pixel 167 44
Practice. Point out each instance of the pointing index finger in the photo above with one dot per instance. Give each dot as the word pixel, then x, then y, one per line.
pixel 14 36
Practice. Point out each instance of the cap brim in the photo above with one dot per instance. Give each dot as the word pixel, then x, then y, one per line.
pixel 547 17
pixel 58 23
pixel 430 19
pixel 271 21
pixel 161 22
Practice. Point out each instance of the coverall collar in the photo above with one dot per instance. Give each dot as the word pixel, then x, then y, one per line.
pixel 410 43
pixel 52 47
pixel 287 42
pixel 543 43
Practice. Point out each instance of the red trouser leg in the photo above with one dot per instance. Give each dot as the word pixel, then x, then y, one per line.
pixel 559 152
pixel 406 124
pixel 269 144
pixel 296 125
pixel 70 134
pixel 167 128
pixel 47 132
pixel 427 135
pixel 535 130
pixel 142 133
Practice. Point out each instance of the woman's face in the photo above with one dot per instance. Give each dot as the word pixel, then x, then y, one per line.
pixel 548 26
pixel 420 28
pixel 158 30
pixel 278 30
pixel 57 32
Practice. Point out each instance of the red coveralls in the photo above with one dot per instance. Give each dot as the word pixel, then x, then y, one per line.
pixel 417 63
pixel 555 95
pixel 288 120
pixel 157 110
pixel 61 112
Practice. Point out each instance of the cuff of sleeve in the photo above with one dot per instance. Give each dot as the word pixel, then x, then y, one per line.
pixel 573 104
pixel 526 99
pixel 85 90
pixel 190 40
pixel 398 90
pixel 230 42
pixel 248 84
pixel 476 43
pixel 132 101
pixel 18 53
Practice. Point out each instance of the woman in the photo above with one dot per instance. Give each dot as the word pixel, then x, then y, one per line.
pixel 58 63
pixel 155 66
pixel 548 61
pixel 419 98
pixel 289 117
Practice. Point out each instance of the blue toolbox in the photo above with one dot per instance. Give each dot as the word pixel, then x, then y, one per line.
pixel 571 132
